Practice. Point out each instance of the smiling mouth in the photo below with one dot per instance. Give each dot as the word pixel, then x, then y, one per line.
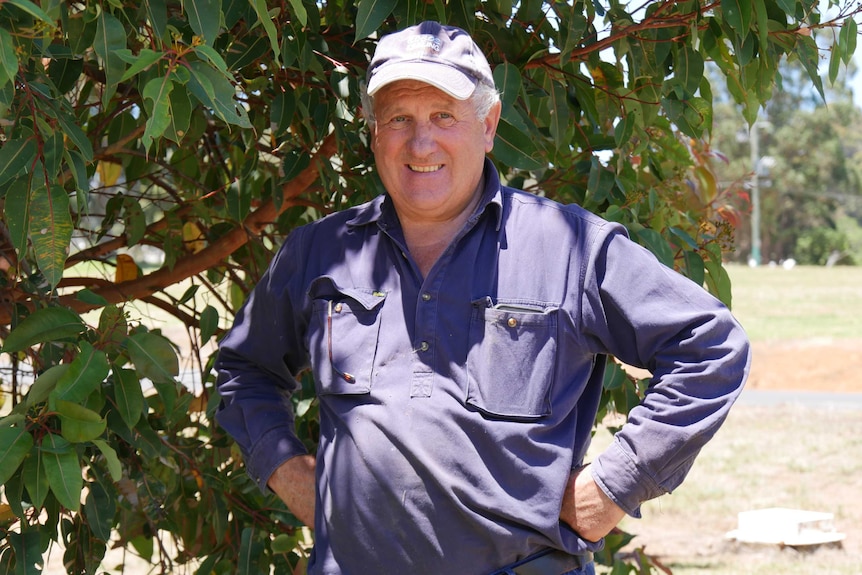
pixel 425 169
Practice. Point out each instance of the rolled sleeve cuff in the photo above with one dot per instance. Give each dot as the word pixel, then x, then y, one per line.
pixel 619 477
pixel 271 450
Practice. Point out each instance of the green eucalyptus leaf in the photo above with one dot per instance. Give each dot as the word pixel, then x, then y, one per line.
pixel 694 268
pixel 77 423
pixel 35 478
pixel 788 6
pixel 33 10
pixel 208 323
pixel 265 19
pixel 14 418
pixel 250 550
pixel 16 155
pixel 370 14
pixel 154 357
pixel 809 55
pixel 139 62
pixel 717 278
pixel 17 206
pixel 50 231
pixel 27 546
pixel 136 221
pixel 86 373
pixel 45 384
pixel 157 14
pixel 656 243
pixel 44 325
pixel 507 78
pixel 245 51
pixel 214 58
pixel 76 135
pixel 65 72
pixel 689 69
pixel 128 395
pixel 281 111
pixel 179 116
pixel 300 11
pixel 834 64
pixel 78 167
pixel 514 148
pixel 204 18
pixel 558 107
pixel 294 163
pixel 8 58
pixel 157 101
pixel 91 297
pixel 738 14
pixel 614 377
pixel 63 470
pixel 115 468
pixel 600 182
pixel 100 509
pixel 213 90
pixel 15 444
pixel 847 39
pixel 110 40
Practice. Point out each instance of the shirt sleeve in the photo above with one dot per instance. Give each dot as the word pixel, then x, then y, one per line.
pixel 257 365
pixel 649 316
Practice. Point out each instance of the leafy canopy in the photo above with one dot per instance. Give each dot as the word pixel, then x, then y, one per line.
pixel 158 151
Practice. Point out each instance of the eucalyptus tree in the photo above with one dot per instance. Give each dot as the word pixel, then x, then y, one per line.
pixel 158 152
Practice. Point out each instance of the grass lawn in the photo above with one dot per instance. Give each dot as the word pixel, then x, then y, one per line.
pixel 801 303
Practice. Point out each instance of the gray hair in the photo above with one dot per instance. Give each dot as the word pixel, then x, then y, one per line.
pixel 483 98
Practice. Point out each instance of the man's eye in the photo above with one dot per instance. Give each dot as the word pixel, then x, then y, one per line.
pixel 445 119
pixel 396 122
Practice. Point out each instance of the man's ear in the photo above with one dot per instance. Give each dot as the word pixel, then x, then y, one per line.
pixel 491 121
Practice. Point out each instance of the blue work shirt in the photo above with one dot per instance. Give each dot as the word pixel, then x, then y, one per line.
pixel 453 408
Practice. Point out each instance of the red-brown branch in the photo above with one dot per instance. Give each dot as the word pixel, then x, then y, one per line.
pixel 212 255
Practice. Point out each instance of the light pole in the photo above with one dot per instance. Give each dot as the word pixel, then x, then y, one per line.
pixel 757 164
pixel 754 142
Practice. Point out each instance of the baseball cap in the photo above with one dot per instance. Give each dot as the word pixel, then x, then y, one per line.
pixel 444 56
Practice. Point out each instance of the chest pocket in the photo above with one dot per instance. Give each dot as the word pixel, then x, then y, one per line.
pixel 343 336
pixel 512 358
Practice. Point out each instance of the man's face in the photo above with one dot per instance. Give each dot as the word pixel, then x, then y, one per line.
pixel 430 149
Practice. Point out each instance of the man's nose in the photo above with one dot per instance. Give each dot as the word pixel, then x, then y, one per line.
pixel 422 138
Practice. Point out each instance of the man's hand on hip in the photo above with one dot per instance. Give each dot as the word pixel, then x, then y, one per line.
pixel 294 482
pixel 587 509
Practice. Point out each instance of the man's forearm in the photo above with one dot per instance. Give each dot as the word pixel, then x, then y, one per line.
pixel 587 509
pixel 294 482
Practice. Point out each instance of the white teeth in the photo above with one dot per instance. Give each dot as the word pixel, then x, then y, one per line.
pixel 425 169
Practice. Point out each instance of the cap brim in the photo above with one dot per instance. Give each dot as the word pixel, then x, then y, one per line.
pixel 442 77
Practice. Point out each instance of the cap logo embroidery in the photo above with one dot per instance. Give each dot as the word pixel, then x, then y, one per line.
pixel 425 43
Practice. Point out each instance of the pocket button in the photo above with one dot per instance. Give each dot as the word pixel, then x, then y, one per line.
pixel 512 322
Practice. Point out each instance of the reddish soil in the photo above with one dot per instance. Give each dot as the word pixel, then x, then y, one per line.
pixel 810 365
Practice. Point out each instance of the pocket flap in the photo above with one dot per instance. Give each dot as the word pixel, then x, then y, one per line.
pixel 325 287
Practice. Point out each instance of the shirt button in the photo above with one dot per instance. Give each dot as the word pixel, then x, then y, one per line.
pixel 424 346
pixel 426 296
pixel 512 322
pixel 338 308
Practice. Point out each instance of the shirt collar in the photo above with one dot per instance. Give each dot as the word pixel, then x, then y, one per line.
pixel 381 208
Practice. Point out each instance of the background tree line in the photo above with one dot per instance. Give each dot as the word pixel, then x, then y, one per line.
pixel 810 172
pixel 157 153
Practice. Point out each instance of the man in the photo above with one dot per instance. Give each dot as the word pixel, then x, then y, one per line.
pixel 458 330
